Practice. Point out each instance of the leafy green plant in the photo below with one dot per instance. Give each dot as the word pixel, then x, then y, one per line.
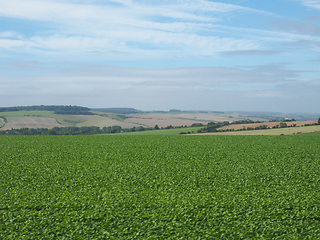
pixel 160 187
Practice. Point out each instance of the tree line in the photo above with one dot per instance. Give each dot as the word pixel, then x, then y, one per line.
pixel 81 130
pixel 57 109
pixel 62 131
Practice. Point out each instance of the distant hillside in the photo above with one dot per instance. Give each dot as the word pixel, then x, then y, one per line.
pixel 117 110
pixel 57 109
pixel 50 116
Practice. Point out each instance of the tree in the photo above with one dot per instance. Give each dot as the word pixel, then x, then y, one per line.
pixel 283 125
pixel 140 128
pixel 319 121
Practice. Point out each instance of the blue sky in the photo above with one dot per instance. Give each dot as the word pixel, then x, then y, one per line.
pixel 232 55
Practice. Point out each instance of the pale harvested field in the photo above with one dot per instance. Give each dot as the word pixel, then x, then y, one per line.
pixel 166 119
pixel 99 121
pixel 162 120
pixel 269 124
pixel 1 122
pixel 274 131
pixel 30 122
pixel 63 121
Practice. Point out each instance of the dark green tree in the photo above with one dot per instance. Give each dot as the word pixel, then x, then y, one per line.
pixel 283 125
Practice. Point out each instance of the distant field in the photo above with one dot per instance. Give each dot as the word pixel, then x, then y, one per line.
pixel 68 120
pixel 100 121
pixel 1 122
pixel 47 119
pixel 30 122
pixel 174 131
pixel 27 113
pixel 269 124
pixel 274 131
pixel 179 119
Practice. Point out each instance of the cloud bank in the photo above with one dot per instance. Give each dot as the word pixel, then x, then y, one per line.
pixel 197 54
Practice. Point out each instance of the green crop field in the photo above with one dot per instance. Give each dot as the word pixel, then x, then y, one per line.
pixel 173 131
pixel 160 187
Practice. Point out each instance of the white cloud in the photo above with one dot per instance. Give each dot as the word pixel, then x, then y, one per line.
pixel 134 27
pixel 269 87
pixel 312 3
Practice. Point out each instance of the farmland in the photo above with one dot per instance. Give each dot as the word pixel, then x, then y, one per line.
pixel 47 119
pixel 160 187
pixel 276 131
pixel 178 119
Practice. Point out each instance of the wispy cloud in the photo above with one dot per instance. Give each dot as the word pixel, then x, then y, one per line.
pixel 136 27
pixel 103 83
pixel 197 52
pixel 312 3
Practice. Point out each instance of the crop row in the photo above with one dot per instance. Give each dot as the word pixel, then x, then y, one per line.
pixel 160 187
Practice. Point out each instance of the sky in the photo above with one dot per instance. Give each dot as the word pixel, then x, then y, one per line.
pixel 231 55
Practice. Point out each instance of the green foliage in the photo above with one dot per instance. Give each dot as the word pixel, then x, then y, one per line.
pixel 283 125
pixel 3 121
pixel 23 113
pixel 212 126
pixel 56 108
pixel 117 110
pixel 171 131
pixel 62 131
pixel 160 187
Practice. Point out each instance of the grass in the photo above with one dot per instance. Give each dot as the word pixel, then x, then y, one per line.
pixel 113 116
pixel 27 113
pixel 160 187
pixel 2 123
pixel 68 120
pixel 174 131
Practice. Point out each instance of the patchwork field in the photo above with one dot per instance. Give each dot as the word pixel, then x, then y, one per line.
pixel 269 124
pixel 47 119
pixel 276 131
pixel 160 187
pixel 179 119
pixel 99 121
pixel 30 122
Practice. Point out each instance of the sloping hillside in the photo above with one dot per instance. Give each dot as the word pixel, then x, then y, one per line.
pixel 30 122
pixel 48 119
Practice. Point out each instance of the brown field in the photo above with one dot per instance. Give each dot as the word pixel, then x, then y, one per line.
pixel 30 122
pixel 269 124
pixel 166 119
